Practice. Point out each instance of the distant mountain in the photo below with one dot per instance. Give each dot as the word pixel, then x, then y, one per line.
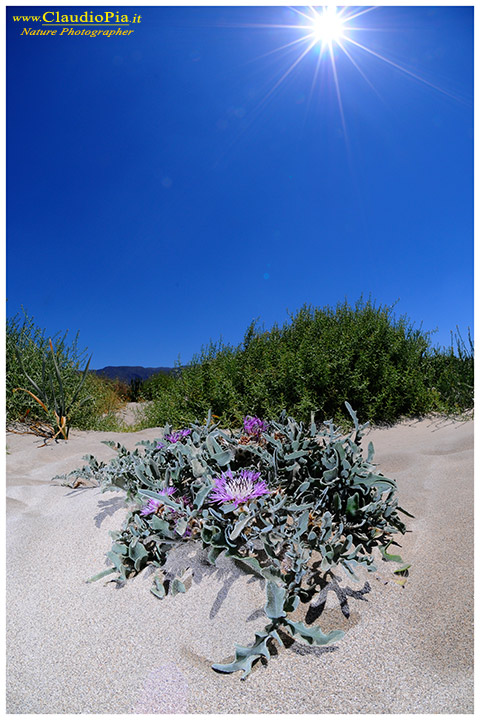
pixel 132 372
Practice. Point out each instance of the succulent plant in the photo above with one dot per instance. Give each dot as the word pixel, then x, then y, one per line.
pixel 288 502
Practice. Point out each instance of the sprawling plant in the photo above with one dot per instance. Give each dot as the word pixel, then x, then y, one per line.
pixel 290 503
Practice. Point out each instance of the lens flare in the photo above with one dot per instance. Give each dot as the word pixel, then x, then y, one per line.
pixel 328 26
pixel 333 35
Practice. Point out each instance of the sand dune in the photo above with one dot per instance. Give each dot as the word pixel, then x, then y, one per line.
pixel 74 647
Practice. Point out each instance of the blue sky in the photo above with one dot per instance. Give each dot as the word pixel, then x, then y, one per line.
pixel 164 189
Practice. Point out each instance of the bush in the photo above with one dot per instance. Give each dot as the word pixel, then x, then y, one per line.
pixel 23 334
pixel 154 387
pixel 30 340
pixel 451 374
pixel 320 358
pixel 106 400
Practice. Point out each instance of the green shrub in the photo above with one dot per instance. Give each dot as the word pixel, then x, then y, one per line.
pixel 106 400
pixel 23 334
pixel 32 343
pixel 134 390
pixel 51 394
pixel 156 385
pixel 451 374
pixel 320 358
pixel 316 361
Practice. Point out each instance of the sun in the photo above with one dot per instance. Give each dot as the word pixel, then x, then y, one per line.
pixel 327 26
pixel 331 33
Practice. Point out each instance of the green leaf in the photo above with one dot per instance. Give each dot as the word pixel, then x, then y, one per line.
pixel 267 573
pixel 267 528
pixel 213 446
pixel 117 561
pixel 337 503
pixel 296 454
pixel 158 588
pixel 163 498
pixel 223 458
pixel 238 527
pixel 246 656
pixel 405 512
pixel 304 486
pixel 119 549
pixel 253 564
pixel 275 600
pixel 160 525
pixel 330 476
pixel 109 443
pixel 386 556
pixel 201 495
pixel 59 378
pixel 352 413
pixel 176 587
pixel 181 526
pixel 291 603
pixel 280 504
pixel 40 392
pixel 298 508
pixel 213 554
pixel 347 566
pixel 379 481
pixel 313 635
pixel 137 553
pixel 302 523
pixel 371 452
pixel 353 504
pixel 139 472
pixel 108 571
pixel 208 532
pixel 80 385
pixel 227 507
pixel 198 468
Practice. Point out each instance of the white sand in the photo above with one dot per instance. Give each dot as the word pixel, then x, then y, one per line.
pixel 74 647
pixel 131 413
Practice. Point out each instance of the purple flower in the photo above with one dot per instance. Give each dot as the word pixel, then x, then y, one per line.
pixel 159 446
pixel 187 501
pixel 175 437
pixel 238 487
pixel 153 504
pixel 254 426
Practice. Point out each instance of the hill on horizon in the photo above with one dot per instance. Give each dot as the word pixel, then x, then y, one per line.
pixel 126 373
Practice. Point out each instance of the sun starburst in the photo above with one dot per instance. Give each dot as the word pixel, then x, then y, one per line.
pixel 332 33
pixel 328 26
